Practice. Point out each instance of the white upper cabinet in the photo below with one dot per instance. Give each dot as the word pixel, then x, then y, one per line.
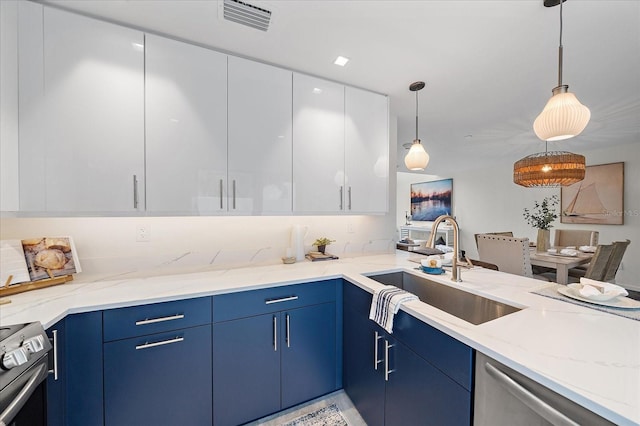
pixel 318 145
pixel 81 116
pixel 260 150
pixel 366 151
pixel 186 128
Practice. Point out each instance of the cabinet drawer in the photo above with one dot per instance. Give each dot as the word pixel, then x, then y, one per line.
pixel 256 302
pixel 156 318
pixel 159 379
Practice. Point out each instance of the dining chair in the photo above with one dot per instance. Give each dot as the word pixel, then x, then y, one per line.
pixel 509 254
pixel 619 247
pixel 480 263
pixel 505 233
pixel 597 266
pixel 575 237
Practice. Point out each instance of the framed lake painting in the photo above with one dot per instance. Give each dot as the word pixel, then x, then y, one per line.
pixel 598 199
pixel 431 199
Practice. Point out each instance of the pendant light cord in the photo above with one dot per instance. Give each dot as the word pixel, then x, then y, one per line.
pixel 417 115
pixel 560 49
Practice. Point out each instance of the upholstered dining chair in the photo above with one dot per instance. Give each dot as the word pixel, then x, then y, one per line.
pixel 575 237
pixel 505 233
pixel 509 254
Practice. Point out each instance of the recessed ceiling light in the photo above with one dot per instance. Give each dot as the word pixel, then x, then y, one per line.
pixel 317 90
pixel 341 60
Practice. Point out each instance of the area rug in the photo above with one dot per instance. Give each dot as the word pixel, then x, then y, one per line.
pixel 326 416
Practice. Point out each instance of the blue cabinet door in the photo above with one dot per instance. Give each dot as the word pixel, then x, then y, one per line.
pixel 246 369
pixel 363 378
pixel 308 356
pixel 83 361
pixel 162 378
pixel 419 394
pixel 56 381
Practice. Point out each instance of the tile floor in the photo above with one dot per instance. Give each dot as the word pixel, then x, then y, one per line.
pixel 339 398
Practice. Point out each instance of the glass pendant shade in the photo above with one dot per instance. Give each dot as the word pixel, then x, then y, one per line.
pixel 549 169
pixel 562 118
pixel 417 158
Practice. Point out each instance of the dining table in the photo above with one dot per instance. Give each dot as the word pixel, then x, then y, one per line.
pixel 560 262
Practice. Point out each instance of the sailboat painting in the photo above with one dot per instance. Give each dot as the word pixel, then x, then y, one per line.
pixel 598 199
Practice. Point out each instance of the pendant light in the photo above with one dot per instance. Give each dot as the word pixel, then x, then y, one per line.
pixel 549 169
pixel 417 158
pixel 564 116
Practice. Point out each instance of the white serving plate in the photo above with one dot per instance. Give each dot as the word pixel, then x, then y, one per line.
pixel 617 302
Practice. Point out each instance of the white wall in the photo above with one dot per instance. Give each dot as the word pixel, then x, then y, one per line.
pixel 487 200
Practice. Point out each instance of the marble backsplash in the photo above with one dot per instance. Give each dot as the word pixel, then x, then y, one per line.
pixel 107 247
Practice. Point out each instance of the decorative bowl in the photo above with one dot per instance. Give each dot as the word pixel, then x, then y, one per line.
pixel 432 271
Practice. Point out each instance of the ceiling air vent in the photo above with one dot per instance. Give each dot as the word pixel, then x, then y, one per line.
pixel 247 14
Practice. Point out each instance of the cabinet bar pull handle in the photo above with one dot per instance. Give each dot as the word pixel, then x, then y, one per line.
pixel 275 333
pixel 161 343
pixel 161 319
pixel 54 340
pixel 349 196
pixel 234 193
pixel 340 193
pixel 540 407
pixel 386 361
pixel 288 336
pixel 135 192
pixel 221 191
pixel 284 299
pixel 376 361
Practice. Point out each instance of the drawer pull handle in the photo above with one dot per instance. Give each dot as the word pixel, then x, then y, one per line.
pixel 288 335
pixel 376 361
pixel 284 299
pixel 161 319
pixel 54 340
pixel 275 333
pixel 161 343
pixel 386 361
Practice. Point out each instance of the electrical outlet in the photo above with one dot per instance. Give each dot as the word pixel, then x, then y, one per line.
pixel 143 234
pixel 350 227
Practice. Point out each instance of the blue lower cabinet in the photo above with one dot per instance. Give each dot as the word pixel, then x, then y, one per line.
pixel 162 378
pixel 265 363
pixel 419 394
pixel 363 377
pixel 246 369
pixel 389 382
pixel 56 381
pixel 83 361
pixel 308 353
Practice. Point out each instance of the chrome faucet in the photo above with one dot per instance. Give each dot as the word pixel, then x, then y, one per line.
pixel 455 273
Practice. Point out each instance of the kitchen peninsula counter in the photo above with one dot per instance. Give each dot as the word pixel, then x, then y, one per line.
pixel 586 355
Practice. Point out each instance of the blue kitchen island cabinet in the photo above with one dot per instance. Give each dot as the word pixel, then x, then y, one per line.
pixel 273 349
pixel 420 376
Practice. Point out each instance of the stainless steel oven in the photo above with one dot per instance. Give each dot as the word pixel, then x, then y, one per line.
pixel 24 352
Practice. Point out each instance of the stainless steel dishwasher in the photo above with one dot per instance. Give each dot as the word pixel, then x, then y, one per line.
pixel 504 397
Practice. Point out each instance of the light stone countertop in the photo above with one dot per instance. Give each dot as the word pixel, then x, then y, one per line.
pixel 586 355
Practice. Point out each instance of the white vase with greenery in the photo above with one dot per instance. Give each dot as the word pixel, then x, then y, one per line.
pixel 541 217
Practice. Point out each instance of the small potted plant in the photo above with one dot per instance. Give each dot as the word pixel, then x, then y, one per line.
pixel 322 243
pixel 540 217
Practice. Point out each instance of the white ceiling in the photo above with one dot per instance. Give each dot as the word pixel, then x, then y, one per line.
pixel 489 65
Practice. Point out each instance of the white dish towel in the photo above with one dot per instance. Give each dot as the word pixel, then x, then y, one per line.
pixel 386 303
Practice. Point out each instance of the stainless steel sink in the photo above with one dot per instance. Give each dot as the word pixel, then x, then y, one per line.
pixel 464 305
